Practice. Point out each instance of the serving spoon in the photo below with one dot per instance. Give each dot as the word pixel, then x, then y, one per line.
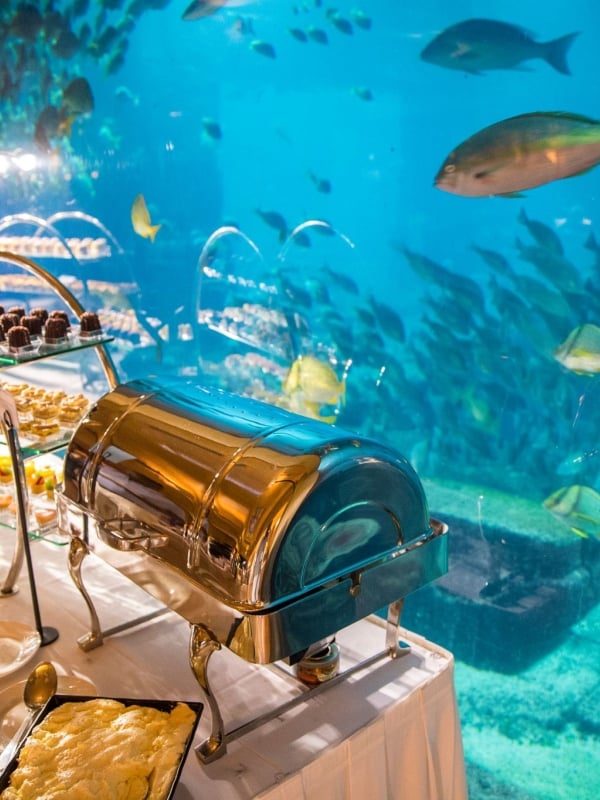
pixel 40 686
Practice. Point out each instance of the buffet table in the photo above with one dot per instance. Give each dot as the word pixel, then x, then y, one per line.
pixel 391 730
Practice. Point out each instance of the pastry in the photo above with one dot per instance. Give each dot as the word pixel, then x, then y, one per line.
pixel 69 414
pixel 55 329
pixel 59 314
pixel 45 411
pixel 89 323
pixel 42 313
pixel 45 516
pixel 33 324
pixel 18 336
pixel 43 430
pixel 8 321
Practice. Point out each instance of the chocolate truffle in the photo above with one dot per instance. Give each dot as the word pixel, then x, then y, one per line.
pixel 18 336
pixel 18 310
pixel 56 328
pixel 33 325
pixel 42 313
pixel 59 314
pixel 8 320
pixel 89 322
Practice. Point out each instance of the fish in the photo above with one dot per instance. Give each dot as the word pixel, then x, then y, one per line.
pixel 211 128
pixel 318 35
pixel 478 45
pixel 360 19
pixel 198 9
pixel 78 97
pixel 497 261
pixel 578 507
pixel 554 267
pixel 341 23
pixel 274 220
pixel 301 239
pixel 390 321
pixel 50 124
pixel 542 233
pixel 539 294
pixel 140 219
pixel 26 22
pixel 520 153
pixel 580 352
pixel 362 92
pixel 322 185
pixel 342 280
pixel 314 381
pixel 298 34
pixel 66 45
pixel 264 48
pixel 104 42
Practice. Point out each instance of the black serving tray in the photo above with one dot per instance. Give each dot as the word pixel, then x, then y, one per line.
pixel 160 705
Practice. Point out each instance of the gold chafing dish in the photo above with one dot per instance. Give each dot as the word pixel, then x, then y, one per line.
pixel 282 529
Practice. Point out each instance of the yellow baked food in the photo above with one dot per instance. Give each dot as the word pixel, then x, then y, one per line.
pixel 43 430
pixel 101 748
pixel 45 516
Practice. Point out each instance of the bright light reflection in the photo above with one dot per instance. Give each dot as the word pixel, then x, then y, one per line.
pixel 26 162
pixel 4 164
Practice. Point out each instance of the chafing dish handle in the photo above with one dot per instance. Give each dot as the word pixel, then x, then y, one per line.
pixel 131 536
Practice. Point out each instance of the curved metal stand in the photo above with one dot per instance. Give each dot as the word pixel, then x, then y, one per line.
pixel 202 645
pixel 78 550
pixel 69 299
pixel 394 647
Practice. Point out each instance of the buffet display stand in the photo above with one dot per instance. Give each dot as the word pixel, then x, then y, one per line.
pixel 390 731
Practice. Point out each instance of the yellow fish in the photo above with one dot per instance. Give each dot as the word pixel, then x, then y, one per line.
pixel 580 352
pixel 311 384
pixel 140 219
pixel 578 507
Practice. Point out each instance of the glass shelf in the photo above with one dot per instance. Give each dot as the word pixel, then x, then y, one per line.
pixel 72 344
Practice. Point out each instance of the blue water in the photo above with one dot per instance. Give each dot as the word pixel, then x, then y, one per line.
pixel 486 405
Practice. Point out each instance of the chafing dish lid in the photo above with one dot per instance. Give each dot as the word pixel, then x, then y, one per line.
pixel 254 503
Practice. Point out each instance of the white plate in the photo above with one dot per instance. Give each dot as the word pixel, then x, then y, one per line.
pixel 18 643
pixel 13 710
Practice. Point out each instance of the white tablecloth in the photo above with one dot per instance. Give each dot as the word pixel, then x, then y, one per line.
pixel 389 731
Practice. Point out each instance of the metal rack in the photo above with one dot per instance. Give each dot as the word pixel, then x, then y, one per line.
pixel 9 426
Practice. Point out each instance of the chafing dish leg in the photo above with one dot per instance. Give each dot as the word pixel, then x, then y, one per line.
pixel 202 645
pixel 78 550
pixel 392 640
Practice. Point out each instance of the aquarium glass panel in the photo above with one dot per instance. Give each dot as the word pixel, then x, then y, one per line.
pixel 377 214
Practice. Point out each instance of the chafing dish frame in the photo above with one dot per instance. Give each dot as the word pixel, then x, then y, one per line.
pixel 121 501
pixel 204 642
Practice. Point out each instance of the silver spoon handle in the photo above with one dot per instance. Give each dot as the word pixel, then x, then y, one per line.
pixel 17 740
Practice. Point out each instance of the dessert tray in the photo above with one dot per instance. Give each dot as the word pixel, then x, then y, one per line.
pixel 165 766
pixel 42 474
pixel 38 348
